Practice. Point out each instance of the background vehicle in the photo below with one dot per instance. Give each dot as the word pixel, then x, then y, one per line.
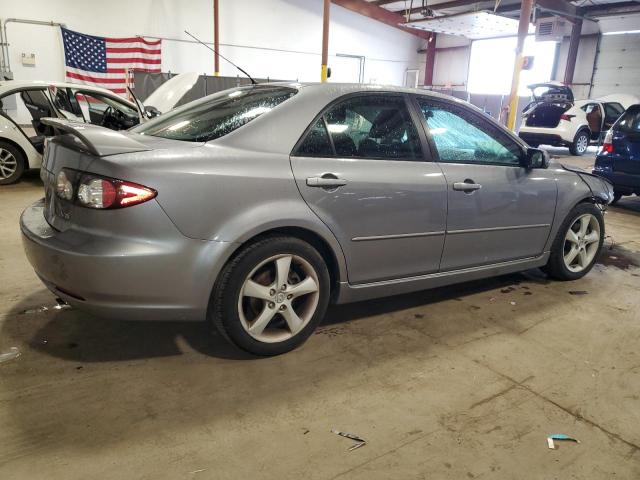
pixel 619 158
pixel 554 118
pixel 303 185
pixel 24 104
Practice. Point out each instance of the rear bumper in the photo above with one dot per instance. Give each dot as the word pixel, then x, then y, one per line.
pixel 623 182
pixel 168 278
pixel 543 139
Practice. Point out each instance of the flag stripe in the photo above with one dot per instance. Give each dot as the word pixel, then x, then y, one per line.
pixel 87 78
pixel 133 40
pixel 132 50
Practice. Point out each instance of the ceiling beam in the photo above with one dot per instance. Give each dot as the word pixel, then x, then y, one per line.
pixel 380 14
pixel 383 2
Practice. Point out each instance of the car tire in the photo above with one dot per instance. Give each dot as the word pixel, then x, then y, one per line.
pixel 12 163
pixel 256 310
pixel 574 254
pixel 580 143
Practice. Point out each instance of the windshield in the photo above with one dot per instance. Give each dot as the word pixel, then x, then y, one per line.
pixel 216 115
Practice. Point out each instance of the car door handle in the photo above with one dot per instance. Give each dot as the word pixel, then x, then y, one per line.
pixel 466 186
pixel 326 181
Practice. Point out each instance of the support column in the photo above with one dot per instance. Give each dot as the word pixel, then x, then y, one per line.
pixel 216 39
pixel 572 55
pixel 431 58
pixel 523 30
pixel 325 41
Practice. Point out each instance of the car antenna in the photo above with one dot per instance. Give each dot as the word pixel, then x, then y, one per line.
pixel 224 58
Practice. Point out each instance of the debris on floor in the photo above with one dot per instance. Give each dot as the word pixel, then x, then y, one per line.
pixel 578 292
pixel 10 355
pixel 62 305
pixel 35 310
pixel 559 436
pixel 512 303
pixel 351 436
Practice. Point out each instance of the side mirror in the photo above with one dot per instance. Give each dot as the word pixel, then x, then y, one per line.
pixel 535 158
pixel 151 111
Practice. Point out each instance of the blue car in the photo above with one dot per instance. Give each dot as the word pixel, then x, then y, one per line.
pixel 618 159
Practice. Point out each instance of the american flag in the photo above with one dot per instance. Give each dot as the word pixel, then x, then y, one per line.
pixel 105 62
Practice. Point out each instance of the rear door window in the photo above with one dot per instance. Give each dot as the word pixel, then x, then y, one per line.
pixel 630 121
pixel 216 115
pixel 365 126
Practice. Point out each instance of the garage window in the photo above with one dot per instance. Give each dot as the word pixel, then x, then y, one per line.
pixel 217 115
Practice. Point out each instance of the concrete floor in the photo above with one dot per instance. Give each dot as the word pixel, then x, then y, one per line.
pixel 459 382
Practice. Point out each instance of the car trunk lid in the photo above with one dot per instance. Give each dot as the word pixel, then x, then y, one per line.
pixel 80 148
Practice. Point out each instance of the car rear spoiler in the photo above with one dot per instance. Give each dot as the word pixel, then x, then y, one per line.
pixel 96 140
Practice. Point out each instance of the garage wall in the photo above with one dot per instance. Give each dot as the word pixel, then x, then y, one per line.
pixel 451 63
pixel 276 39
pixel 618 65
pixel 584 64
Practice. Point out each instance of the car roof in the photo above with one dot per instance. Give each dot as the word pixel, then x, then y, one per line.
pixel 9 85
pixel 339 89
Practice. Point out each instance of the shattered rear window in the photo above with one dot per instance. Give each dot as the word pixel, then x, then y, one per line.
pixel 216 115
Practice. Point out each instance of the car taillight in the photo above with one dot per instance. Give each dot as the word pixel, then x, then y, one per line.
pixel 102 193
pixel 566 117
pixel 607 145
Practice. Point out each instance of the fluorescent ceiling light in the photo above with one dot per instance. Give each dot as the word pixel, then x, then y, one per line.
pixel 474 25
pixel 623 32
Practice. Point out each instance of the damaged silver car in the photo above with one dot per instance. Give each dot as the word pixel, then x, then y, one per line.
pixel 255 207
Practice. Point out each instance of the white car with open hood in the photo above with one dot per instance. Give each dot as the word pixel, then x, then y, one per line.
pixel 553 117
pixel 24 103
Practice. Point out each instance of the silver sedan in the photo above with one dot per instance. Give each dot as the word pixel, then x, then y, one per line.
pixel 255 207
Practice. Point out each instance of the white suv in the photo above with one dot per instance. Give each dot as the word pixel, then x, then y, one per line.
pixel 554 118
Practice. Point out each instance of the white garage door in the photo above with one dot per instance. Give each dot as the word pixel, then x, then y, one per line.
pixel 618 65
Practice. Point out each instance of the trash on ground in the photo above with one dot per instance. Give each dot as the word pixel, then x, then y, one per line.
pixel 62 305
pixel 559 436
pixel 10 355
pixel 578 292
pixel 35 310
pixel 351 436
pixel 512 303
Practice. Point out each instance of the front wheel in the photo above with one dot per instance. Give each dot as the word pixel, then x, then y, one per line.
pixel 271 296
pixel 580 143
pixel 577 243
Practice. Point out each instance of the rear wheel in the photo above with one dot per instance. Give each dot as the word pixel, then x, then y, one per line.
pixel 580 143
pixel 12 163
pixel 577 243
pixel 271 296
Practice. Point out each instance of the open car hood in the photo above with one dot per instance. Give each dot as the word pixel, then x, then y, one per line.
pixel 555 92
pixel 167 95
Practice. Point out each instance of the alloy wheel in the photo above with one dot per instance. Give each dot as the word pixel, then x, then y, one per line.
pixel 278 298
pixel 8 163
pixel 582 143
pixel 581 243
